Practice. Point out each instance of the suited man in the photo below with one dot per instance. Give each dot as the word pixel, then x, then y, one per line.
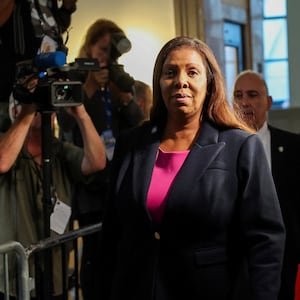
pixel 251 98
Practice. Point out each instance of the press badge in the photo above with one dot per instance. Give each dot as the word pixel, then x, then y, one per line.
pixel 60 217
pixel 110 142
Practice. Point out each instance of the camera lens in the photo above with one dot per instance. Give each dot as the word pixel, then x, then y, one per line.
pixel 66 93
pixel 63 93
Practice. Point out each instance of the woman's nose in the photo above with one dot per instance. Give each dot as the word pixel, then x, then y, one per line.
pixel 181 81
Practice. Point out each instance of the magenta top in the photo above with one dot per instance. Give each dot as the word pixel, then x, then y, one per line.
pixel 166 167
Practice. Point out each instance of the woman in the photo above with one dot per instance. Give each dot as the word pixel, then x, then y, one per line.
pixel 193 212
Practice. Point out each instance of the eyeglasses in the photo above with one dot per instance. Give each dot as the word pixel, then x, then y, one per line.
pixel 239 95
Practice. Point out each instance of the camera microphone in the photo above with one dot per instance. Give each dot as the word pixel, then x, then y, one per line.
pixel 46 60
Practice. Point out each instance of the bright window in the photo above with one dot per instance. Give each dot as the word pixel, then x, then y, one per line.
pixel 275 52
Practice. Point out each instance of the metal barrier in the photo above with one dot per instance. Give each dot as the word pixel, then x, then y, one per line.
pixel 23 270
pixel 25 283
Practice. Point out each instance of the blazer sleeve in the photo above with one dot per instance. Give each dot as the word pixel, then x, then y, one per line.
pixel 260 221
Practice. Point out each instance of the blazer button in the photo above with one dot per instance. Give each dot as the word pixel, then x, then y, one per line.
pixel 157 235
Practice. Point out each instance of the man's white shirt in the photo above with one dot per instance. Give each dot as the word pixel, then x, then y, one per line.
pixel 265 136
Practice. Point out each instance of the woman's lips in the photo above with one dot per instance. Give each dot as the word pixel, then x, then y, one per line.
pixel 181 97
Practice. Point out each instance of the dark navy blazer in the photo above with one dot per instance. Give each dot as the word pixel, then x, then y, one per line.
pixel 285 157
pixel 222 232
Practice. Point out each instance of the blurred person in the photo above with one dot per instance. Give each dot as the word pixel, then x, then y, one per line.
pixel 21 33
pixel 252 100
pixel 21 181
pixel 110 102
pixel 193 211
pixel 143 94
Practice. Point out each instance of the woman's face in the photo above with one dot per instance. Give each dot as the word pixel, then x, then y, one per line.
pixel 183 82
pixel 101 50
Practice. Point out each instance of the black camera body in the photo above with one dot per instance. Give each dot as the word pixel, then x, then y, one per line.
pixel 58 94
pixel 51 94
pixel 53 89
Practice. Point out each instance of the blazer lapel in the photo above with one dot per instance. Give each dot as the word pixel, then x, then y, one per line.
pixel 202 154
pixel 143 163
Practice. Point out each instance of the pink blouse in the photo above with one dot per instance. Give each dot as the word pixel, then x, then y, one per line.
pixel 166 167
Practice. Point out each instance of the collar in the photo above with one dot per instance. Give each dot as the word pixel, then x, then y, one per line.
pixel 263 130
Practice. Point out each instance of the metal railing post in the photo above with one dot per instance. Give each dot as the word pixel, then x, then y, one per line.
pixel 23 268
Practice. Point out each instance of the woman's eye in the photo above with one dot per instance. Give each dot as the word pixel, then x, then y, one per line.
pixel 193 72
pixel 169 73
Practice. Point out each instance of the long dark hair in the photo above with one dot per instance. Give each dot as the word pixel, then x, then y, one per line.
pixel 216 108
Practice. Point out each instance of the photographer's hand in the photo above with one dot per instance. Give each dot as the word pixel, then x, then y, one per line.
pixel 12 141
pixel 94 150
pixel 96 80
pixel 102 77
pixel 124 98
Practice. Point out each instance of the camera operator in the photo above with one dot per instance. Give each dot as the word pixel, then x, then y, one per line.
pixel 21 178
pixel 110 102
pixel 20 37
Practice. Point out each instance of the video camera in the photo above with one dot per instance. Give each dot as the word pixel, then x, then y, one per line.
pixel 53 89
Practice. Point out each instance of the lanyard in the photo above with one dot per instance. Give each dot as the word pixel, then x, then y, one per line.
pixel 105 96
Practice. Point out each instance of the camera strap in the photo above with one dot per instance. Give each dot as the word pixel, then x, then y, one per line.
pixel 105 97
pixel 107 135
